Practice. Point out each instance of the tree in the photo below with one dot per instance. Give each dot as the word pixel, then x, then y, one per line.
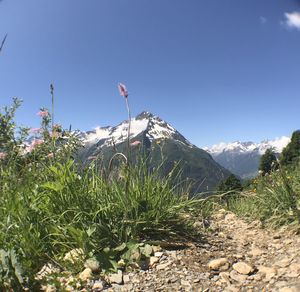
pixel 232 183
pixel 268 162
pixel 291 153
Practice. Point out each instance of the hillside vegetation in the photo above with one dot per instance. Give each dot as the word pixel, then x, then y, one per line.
pixel 59 214
pixel 274 196
pixel 51 205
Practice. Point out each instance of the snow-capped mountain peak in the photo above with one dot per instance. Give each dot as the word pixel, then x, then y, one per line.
pixel 242 158
pixel 246 147
pixel 151 125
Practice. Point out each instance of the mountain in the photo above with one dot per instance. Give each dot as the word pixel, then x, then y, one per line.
pixel 242 158
pixel 159 140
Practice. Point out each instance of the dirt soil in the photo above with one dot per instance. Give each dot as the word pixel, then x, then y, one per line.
pixel 235 256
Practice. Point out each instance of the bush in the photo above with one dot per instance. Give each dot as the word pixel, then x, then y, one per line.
pixel 291 153
pixel 268 162
pixel 230 184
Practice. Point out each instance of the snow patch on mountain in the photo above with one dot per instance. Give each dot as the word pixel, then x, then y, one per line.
pixel 96 135
pixel 278 144
pixel 246 147
pixel 153 127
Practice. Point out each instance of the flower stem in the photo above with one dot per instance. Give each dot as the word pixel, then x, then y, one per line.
pixel 52 101
pixel 129 128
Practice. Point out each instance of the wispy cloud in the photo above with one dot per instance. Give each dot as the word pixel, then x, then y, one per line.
pixel 292 20
pixel 263 20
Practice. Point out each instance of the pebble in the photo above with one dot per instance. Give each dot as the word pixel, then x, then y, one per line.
pixel 288 289
pixel 243 268
pixel 93 264
pixel 255 252
pixel 126 279
pixel 237 276
pixel 218 264
pixel 268 271
pixel 98 285
pixel 86 274
pixel 158 254
pixel 163 266
pixel 225 277
pixel 116 278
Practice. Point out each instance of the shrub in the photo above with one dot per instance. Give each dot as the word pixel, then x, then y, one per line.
pixel 268 162
pixel 291 153
pixel 230 184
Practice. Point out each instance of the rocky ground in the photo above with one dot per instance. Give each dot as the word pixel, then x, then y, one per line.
pixel 235 256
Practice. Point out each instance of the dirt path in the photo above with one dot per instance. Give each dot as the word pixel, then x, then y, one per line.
pixel 235 257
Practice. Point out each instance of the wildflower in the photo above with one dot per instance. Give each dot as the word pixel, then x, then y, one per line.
pixel 123 90
pixel 3 155
pixel 55 134
pixel 57 127
pixel 43 113
pixel 34 144
pixel 50 155
pixel 135 143
pixel 37 142
pixel 35 130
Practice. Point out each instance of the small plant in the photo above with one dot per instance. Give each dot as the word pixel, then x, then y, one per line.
pixel 11 273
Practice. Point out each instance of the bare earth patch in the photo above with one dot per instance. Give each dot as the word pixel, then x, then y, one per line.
pixel 235 257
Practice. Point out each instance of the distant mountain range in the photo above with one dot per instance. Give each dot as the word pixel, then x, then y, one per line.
pixel 157 139
pixel 242 158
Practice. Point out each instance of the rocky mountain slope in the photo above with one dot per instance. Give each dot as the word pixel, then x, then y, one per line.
pixel 157 140
pixel 242 158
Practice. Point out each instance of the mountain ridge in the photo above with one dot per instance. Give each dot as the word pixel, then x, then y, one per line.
pixel 278 144
pixel 160 141
pixel 242 158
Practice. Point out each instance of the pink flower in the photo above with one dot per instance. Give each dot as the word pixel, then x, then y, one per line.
pixel 3 155
pixel 123 90
pixel 50 155
pixel 35 130
pixel 43 114
pixel 34 144
pixel 135 143
pixel 55 134
pixel 37 142
pixel 57 127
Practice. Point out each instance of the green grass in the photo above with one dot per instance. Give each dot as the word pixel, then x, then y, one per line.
pixel 274 199
pixel 48 209
pixel 50 204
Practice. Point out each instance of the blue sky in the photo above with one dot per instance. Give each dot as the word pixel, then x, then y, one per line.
pixel 216 70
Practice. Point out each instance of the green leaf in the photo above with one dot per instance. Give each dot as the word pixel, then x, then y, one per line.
pixel 121 247
pixel 147 250
pixel 90 231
